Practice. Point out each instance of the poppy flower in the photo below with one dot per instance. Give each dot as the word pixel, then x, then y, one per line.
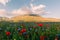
pixel 42 37
pixel 23 30
pixel 40 25
pixel 8 33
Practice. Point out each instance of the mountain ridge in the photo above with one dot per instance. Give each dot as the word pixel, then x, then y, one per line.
pixel 28 18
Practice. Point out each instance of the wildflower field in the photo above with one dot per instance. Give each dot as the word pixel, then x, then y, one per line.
pixel 29 30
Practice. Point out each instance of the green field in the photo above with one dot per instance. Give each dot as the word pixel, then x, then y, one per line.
pixel 29 30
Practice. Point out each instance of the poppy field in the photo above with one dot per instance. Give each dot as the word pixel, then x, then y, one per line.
pixel 29 30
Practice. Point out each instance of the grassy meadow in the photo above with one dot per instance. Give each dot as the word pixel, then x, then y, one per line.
pixel 29 30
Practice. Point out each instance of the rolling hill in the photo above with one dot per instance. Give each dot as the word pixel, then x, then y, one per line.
pixel 29 18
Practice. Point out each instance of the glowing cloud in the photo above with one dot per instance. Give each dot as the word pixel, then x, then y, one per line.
pixel 2 12
pixel 33 9
pixel 40 9
pixel 4 1
pixel 21 11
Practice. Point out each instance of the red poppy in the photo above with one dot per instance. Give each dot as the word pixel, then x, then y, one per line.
pixel 42 37
pixel 7 33
pixel 23 30
pixel 40 25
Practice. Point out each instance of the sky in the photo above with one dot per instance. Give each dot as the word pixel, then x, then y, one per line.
pixel 44 8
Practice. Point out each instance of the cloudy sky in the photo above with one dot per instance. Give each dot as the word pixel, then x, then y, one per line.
pixel 45 8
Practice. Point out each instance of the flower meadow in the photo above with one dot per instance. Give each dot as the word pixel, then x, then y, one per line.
pixel 29 30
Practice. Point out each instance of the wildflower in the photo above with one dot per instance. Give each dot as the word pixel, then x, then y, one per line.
pixel 23 30
pixel 40 25
pixel 18 29
pixel 42 37
pixel 8 33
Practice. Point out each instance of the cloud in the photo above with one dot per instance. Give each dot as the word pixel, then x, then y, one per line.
pixel 38 9
pixel 5 13
pixel 32 0
pixel 4 2
pixel 33 9
pixel 21 11
pixel 2 12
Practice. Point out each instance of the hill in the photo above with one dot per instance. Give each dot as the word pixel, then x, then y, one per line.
pixel 29 18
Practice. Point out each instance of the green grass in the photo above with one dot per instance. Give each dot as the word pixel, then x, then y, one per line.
pixel 50 30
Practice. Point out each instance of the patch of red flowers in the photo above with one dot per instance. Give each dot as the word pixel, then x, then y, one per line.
pixel 23 30
pixel 8 33
pixel 42 37
pixel 40 25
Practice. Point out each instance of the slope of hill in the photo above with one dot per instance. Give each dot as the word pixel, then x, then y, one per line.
pixel 4 19
pixel 27 18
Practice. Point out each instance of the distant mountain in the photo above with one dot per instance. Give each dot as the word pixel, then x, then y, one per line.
pixel 29 18
pixel 33 18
